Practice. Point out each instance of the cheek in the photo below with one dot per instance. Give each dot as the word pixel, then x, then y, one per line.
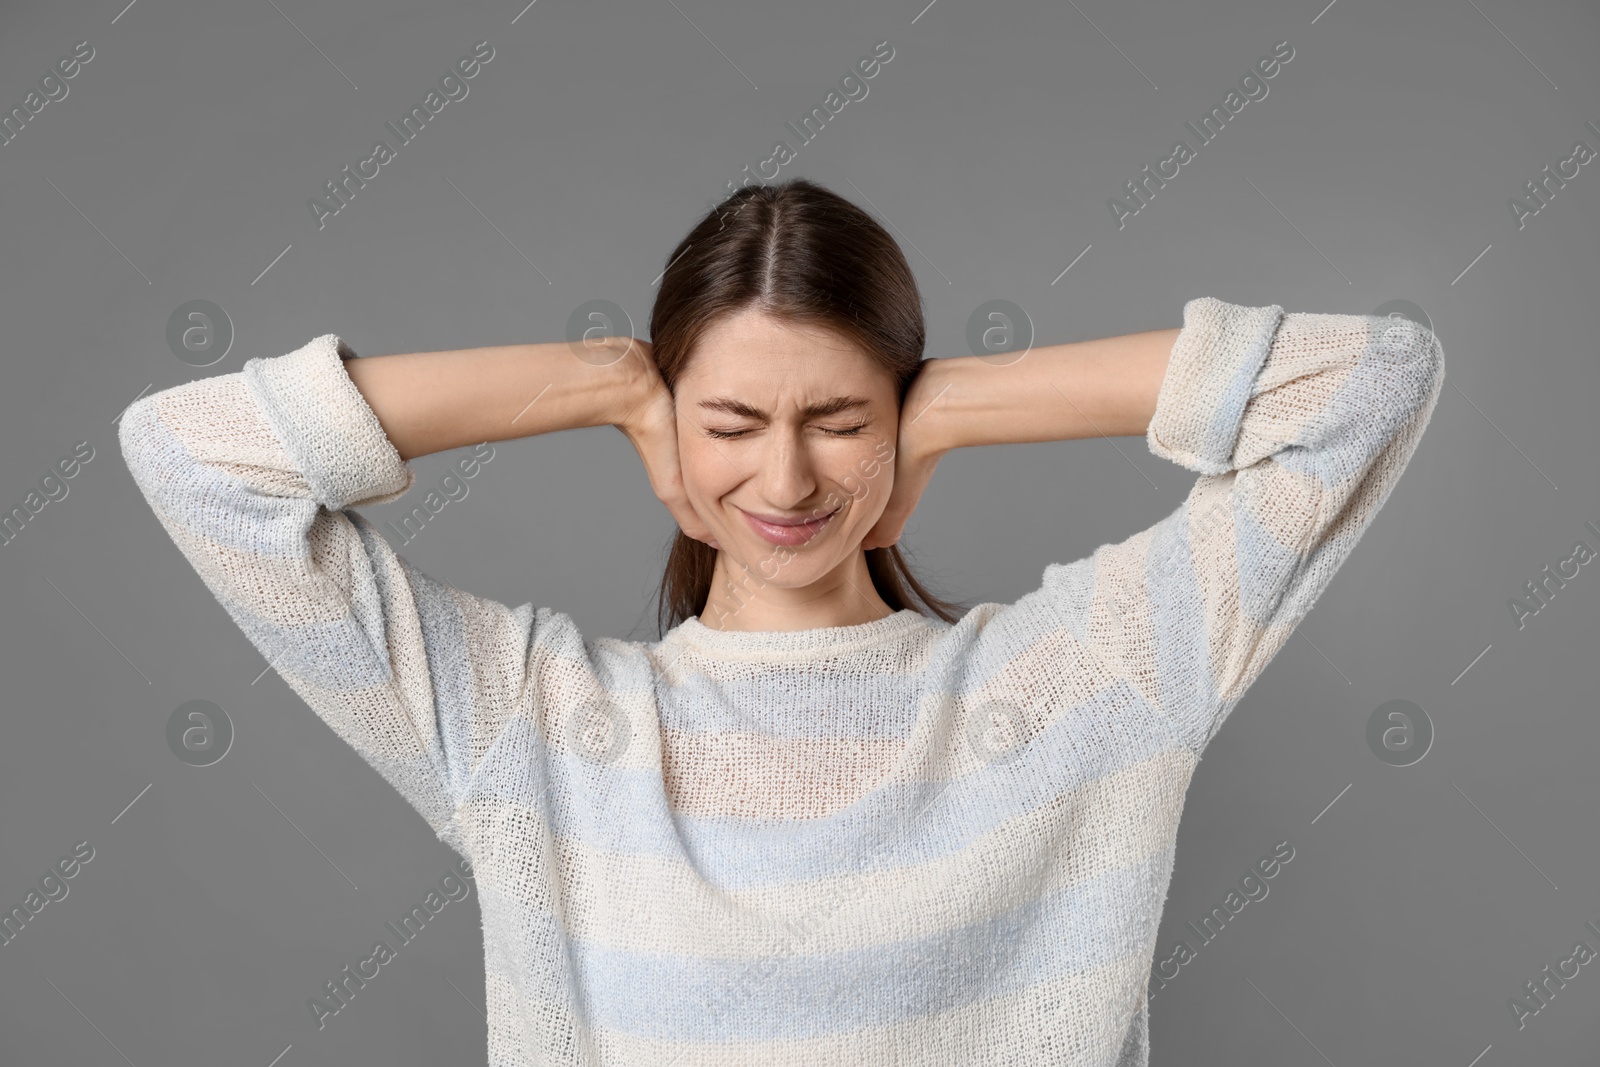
pixel 865 481
pixel 706 473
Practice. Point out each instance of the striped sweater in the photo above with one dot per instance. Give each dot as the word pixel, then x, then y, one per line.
pixel 897 842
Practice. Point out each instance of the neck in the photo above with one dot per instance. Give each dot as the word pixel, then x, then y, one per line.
pixel 742 599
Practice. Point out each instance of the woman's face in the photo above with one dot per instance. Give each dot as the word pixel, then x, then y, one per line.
pixel 785 422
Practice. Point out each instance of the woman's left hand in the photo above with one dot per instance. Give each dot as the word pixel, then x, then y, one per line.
pixel 918 450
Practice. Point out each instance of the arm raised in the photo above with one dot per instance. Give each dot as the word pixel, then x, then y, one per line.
pixel 434 401
pixel 1298 424
pixel 1100 388
pixel 256 476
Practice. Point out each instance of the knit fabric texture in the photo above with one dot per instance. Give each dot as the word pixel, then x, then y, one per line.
pixel 897 842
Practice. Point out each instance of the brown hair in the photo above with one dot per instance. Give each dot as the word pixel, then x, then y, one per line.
pixel 802 253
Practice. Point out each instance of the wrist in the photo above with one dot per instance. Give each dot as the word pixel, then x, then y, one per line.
pixel 637 391
pixel 929 421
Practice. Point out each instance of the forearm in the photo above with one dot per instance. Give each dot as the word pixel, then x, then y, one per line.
pixel 435 401
pixel 1099 388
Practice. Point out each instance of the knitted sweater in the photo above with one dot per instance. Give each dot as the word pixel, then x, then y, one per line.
pixel 897 842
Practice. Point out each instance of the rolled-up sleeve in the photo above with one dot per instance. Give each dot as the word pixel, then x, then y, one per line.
pixel 253 475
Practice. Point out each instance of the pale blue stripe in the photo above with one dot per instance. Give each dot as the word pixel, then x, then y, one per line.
pixel 1218 439
pixel 1186 689
pixel 614 808
pixel 450 672
pixel 204 500
pixel 335 655
pixel 1067 591
pixel 1380 394
pixel 705 705
pixel 1264 564
pixel 676 997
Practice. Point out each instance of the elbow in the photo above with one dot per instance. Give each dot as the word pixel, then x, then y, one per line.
pixel 136 431
pixel 139 440
pixel 1415 357
pixel 1431 360
pixel 131 427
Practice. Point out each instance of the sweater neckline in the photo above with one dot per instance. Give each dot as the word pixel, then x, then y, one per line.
pixel 814 640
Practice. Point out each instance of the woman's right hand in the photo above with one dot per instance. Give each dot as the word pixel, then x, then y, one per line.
pixel 651 424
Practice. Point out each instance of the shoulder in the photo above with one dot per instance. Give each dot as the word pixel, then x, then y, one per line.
pixel 993 637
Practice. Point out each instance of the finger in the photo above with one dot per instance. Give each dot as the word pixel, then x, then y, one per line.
pixel 887 530
pixel 691 524
pixel 655 439
pixel 666 480
pixel 668 486
pixel 909 482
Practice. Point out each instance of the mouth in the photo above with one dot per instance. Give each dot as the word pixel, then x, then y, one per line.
pixel 778 530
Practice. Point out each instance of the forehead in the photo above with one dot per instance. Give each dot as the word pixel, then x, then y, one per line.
pixel 752 351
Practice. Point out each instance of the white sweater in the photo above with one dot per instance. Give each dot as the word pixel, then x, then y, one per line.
pixel 899 842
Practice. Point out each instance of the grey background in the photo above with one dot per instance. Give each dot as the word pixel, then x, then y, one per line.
pixel 179 166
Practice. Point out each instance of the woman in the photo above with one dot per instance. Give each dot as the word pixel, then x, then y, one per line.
pixel 814 823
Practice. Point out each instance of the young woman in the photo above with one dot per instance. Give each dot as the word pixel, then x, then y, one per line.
pixel 826 818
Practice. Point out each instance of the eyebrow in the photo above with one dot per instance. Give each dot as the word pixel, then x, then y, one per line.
pixel 831 406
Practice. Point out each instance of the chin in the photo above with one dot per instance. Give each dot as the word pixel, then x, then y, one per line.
pixel 781 565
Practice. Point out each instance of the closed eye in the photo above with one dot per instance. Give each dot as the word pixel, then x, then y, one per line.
pixel 725 435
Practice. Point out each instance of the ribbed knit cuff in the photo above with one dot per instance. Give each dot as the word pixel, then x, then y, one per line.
pixel 327 426
pixel 1210 377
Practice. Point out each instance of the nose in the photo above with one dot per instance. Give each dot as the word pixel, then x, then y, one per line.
pixel 788 475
